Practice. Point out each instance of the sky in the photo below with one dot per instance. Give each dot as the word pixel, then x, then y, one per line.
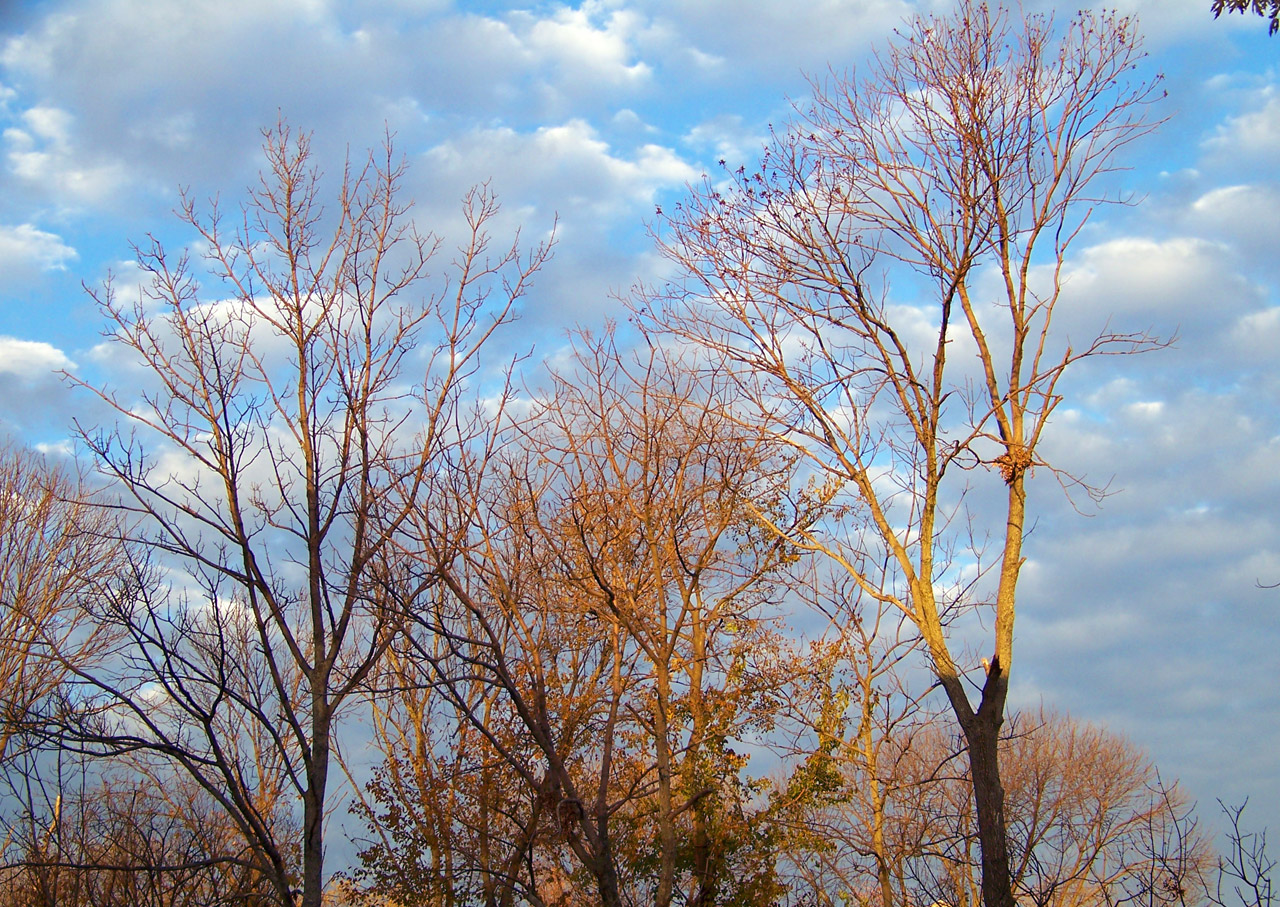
pixel 1149 614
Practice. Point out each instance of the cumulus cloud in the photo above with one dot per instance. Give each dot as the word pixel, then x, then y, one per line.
pixel 1240 209
pixel 31 360
pixel 727 137
pixel 156 92
pixel 1246 216
pixel 126 85
pixel 1170 286
pixel 567 167
pixel 778 35
pixel 26 250
pixel 1256 336
pixel 589 42
pixel 32 396
pixel 568 173
pixel 1255 132
pixel 41 153
pixel 1149 594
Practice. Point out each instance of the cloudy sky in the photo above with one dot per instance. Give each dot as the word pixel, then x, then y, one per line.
pixel 1146 613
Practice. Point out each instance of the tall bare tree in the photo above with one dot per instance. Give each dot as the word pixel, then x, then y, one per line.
pixel 961 164
pixel 302 395
pixel 1090 822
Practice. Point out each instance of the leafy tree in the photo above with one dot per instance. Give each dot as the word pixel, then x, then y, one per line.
pixel 449 822
pixel 603 628
pixel 1264 8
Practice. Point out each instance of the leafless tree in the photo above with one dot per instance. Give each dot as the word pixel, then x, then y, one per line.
pixel 1244 871
pixel 300 397
pixel 960 164
pixel 126 838
pixel 57 552
pixel 1091 823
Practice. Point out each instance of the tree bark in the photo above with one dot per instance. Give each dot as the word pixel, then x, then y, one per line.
pixel 313 814
pixel 982 736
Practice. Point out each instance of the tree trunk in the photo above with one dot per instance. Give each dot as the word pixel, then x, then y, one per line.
pixel 982 735
pixel 313 815
pixel 666 802
pixel 607 877
pixel 705 865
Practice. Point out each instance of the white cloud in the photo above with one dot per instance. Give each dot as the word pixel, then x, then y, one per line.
pixel 1145 409
pixel 728 138
pixel 44 156
pixel 26 250
pixel 31 360
pixel 1246 216
pixel 568 167
pixel 33 397
pixel 572 40
pixel 1256 335
pixel 61 450
pixel 1136 283
pixel 778 36
pixel 598 193
pixel 1255 132
pixel 156 92
pixel 127 85
pixel 49 123
pixel 1228 203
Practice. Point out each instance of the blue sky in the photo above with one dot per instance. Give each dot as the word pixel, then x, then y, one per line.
pixel 1145 613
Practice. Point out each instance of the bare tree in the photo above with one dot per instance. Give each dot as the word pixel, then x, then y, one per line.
pixel 57 552
pixel 302 396
pixel 126 838
pixel 961 164
pixel 1091 823
pixel 1244 871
